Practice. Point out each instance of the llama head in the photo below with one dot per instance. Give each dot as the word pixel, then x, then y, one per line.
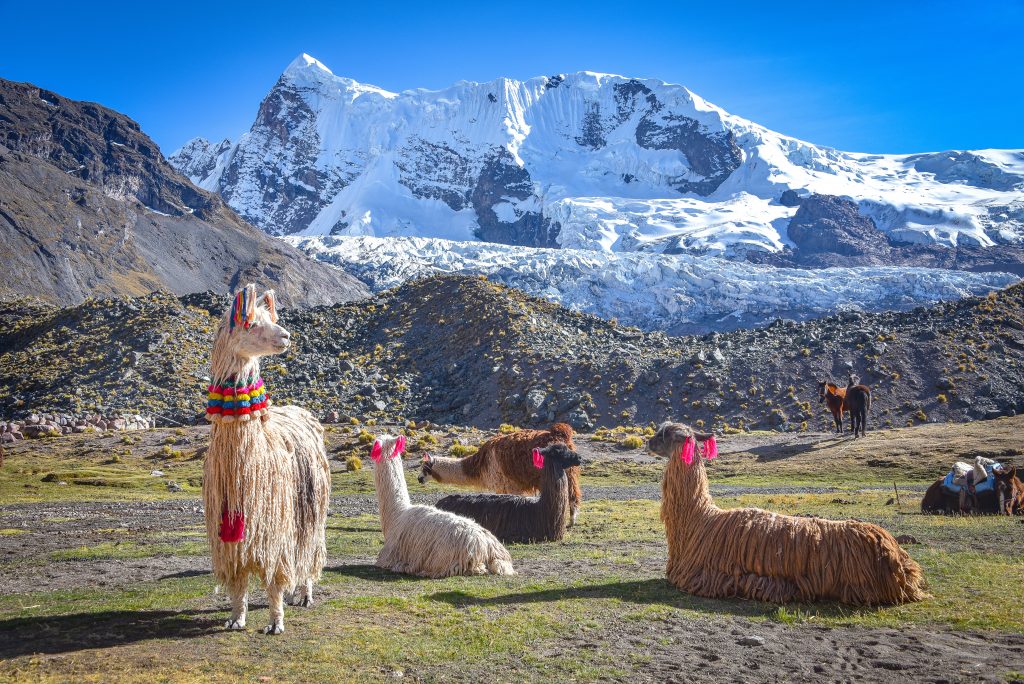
pixel 249 329
pixel 556 455
pixel 426 468
pixel 676 439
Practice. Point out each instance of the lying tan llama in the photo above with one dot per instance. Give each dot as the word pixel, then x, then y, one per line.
pixel 756 554
pixel 266 479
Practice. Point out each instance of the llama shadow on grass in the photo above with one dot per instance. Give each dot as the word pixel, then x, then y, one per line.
pixel 647 592
pixel 56 634
pixel 366 571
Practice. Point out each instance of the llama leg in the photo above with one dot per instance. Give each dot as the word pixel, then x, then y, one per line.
pixel 303 595
pixel 237 591
pixel 275 597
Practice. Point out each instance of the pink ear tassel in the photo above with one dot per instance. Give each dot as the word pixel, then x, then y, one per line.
pixel 399 446
pixel 711 448
pixel 375 452
pixel 689 448
pixel 538 459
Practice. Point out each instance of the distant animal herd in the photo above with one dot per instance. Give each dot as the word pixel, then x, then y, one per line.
pixel 266 489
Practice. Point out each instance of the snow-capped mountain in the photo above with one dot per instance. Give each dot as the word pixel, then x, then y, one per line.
pixel 587 161
pixel 674 293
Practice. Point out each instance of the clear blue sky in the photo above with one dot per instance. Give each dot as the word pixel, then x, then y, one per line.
pixel 861 76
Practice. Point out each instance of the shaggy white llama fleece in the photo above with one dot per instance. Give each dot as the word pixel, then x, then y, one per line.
pixel 422 540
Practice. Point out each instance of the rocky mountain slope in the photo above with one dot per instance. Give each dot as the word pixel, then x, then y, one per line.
pixel 89 207
pixel 600 162
pixel 465 350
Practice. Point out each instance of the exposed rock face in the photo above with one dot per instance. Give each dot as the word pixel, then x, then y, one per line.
pixel 89 207
pixel 500 180
pixel 828 224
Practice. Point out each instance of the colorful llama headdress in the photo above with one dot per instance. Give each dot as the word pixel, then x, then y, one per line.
pixel 243 308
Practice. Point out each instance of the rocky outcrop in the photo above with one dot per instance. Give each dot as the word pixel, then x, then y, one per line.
pixel 825 224
pixel 89 207
pixel 502 181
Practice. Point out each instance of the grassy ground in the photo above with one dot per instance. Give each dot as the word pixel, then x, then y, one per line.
pixel 592 607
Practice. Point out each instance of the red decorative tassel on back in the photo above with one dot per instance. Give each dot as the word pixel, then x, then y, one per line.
pixel 232 526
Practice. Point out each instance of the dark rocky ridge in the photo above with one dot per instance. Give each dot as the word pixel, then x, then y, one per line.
pixel 465 351
pixel 830 231
pixel 89 207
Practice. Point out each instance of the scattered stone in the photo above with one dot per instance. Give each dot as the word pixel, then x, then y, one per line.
pixel 905 539
pixel 752 640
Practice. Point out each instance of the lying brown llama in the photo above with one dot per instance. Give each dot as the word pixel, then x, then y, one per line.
pixel 756 554
pixel 504 464
pixel 523 519
pixel 266 479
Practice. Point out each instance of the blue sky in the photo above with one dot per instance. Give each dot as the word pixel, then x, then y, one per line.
pixel 860 76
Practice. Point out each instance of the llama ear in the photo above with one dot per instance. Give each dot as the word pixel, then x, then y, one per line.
pixel 538 459
pixel 270 299
pixel 426 458
pixel 376 451
pixel 399 446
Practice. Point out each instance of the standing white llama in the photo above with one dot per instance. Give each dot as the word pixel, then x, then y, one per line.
pixel 266 480
pixel 422 540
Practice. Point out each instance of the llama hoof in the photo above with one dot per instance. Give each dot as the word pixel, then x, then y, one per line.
pixel 234 624
pixel 274 628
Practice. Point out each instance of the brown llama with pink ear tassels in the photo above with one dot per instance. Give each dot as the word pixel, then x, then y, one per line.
pixel 755 554
pixel 266 479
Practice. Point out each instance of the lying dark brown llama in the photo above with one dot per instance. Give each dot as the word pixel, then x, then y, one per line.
pixel 524 519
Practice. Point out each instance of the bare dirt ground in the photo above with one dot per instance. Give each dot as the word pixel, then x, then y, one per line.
pixel 605 583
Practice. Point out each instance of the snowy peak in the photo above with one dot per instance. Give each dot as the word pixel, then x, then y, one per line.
pixel 303 63
pixel 589 161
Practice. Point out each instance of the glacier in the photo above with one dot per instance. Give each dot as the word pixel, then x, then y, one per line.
pixel 673 293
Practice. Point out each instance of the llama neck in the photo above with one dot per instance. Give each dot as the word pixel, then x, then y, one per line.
pixel 392 492
pixel 449 471
pixel 685 489
pixel 554 498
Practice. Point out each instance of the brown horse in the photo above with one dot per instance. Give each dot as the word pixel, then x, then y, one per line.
pixel 1005 498
pixel 858 403
pixel 1009 491
pixel 854 399
pixel 834 397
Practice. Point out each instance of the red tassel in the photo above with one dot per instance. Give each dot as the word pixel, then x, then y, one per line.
pixel 538 459
pixel 689 447
pixel 710 448
pixel 232 526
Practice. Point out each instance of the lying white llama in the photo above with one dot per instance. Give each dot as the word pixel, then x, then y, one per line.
pixel 266 480
pixel 422 540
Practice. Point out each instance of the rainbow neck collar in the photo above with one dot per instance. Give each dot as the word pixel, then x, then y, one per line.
pixel 230 400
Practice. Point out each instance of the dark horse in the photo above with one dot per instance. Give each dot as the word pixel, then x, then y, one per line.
pixel 1005 498
pixel 854 399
